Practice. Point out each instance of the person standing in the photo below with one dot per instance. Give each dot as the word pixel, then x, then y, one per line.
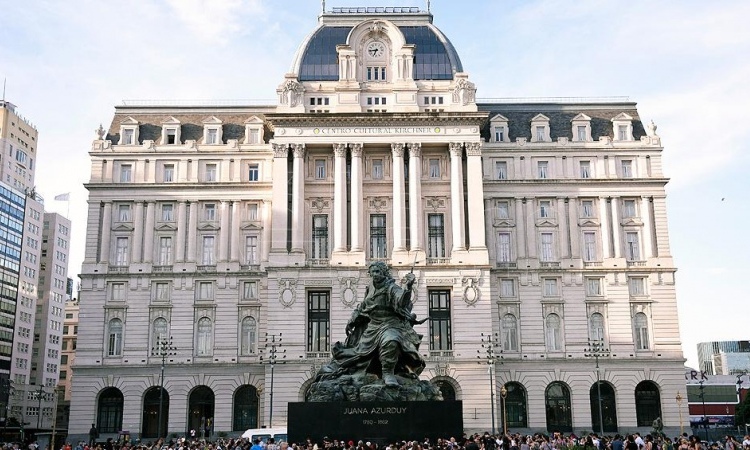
pixel 93 435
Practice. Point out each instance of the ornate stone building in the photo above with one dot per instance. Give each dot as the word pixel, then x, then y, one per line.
pixel 542 225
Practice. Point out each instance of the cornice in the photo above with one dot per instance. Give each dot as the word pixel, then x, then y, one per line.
pixel 376 119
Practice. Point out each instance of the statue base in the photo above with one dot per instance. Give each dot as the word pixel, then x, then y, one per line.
pixel 370 388
pixel 380 422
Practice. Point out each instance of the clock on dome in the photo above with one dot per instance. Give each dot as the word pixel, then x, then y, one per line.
pixel 376 49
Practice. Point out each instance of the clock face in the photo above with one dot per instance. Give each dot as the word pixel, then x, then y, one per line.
pixel 376 49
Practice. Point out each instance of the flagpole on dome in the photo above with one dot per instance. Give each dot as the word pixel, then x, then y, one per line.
pixel 64 198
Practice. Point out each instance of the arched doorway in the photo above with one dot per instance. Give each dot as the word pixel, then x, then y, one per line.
pixel 245 408
pixel 609 407
pixel 446 389
pixel 201 411
pixel 150 420
pixel 515 405
pixel 557 401
pixel 647 403
pixel 109 411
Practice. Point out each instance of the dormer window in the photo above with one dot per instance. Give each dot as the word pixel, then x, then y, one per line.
pixel 129 132
pixel 581 128
pixel 170 131
pixel 499 129
pixel 254 130
pixel 622 127
pixel 540 129
pixel 127 137
pixel 212 128
pixel 212 136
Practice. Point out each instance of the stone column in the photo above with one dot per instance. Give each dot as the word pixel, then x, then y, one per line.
pixel 603 215
pixel 475 193
pixel 415 195
pixel 182 225
pixel 520 228
pixel 399 205
pixel 224 234
pixel 137 232
pixel 148 240
pixel 192 231
pixel 457 196
pixel 298 197
pixel 279 213
pixel 616 228
pixel 235 243
pixel 106 231
pixel 647 228
pixel 356 208
pixel 339 198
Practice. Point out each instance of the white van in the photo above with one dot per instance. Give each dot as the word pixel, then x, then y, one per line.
pixel 277 433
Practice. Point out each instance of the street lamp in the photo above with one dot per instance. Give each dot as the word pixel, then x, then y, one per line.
pixel 39 394
pixel 596 350
pixel 503 394
pixel 678 398
pixel 489 356
pixel 273 356
pixel 162 348
pixel 703 400
pixel 6 391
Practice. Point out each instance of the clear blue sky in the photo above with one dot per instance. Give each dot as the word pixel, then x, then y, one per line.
pixel 685 62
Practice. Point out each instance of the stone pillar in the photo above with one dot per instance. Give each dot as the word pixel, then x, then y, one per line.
pixel 520 228
pixel 415 196
pixel 603 215
pixel 182 225
pixel 616 228
pixel 279 213
pixel 475 193
pixel 148 240
pixel 399 205
pixel 356 208
pixel 266 221
pixel 192 231
pixel 298 197
pixel 530 227
pixel 106 231
pixel 575 247
pixel 235 243
pixel 339 198
pixel 457 196
pixel 224 234
pixel 647 228
pixel 137 232
pixel 562 226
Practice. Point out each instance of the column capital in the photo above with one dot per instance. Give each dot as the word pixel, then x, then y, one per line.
pixel 415 149
pixel 456 148
pixel 398 149
pixel 339 150
pixel 474 149
pixel 299 150
pixel 280 150
pixel 356 150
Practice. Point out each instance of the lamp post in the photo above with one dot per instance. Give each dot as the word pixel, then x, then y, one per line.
pixel 273 355
pixel 6 390
pixel 678 399
pixel 39 395
pixel 503 394
pixel 596 350
pixel 162 348
pixel 489 355
pixel 703 400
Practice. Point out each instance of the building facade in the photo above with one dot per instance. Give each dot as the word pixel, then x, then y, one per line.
pixel 231 228
pixel 724 357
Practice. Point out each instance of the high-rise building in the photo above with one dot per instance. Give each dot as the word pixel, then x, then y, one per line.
pixel 67 358
pixel 18 142
pixel 541 223
pixel 724 357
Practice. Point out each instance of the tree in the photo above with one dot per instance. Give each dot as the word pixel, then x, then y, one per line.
pixel 742 416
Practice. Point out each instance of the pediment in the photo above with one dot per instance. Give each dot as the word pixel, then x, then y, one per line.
pixel 129 121
pixel 540 118
pixel 546 222
pixel 123 227
pixel 622 117
pixel 581 118
pixel 165 227
pixel 588 222
pixel 254 120
pixel 170 121
pixel 631 221
pixel 213 120
pixel 504 223
pixel 208 226
pixel 251 226
pixel 498 118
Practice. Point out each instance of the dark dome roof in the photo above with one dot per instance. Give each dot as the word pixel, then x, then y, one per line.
pixel 435 58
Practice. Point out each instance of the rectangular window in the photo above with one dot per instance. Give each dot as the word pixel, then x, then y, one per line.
pixel 162 292
pixel 118 292
pixel 208 251
pixel 628 208
pixel 249 290
pixel 503 209
pixel 499 134
pixel 253 171
pixel 211 172
pixel 501 170
pixel 435 236
pixel 121 251
pixel 627 168
pixel 123 212
pixel 375 73
pixel 548 251
pixel 168 173
pixel 632 248
pixel 545 208
pixel 587 208
pixel 543 167
pixel 377 169
pixel 594 287
pixel 377 236
pixel 589 246
pixel 127 137
pixel 209 212
pixel 126 173
pixel 585 169
pixel 212 136
pixel 507 288
pixel 171 136
pixel 581 132
pixel 637 286
pixel 540 134
pixel 318 321
pixel 167 212
pixel 440 319
pixel 254 136
pixel 320 169
pixel 320 237
pixel 434 168
pixel 165 251
pixel 205 290
pixel 503 250
pixel 550 287
pixel 622 132
pixel 251 250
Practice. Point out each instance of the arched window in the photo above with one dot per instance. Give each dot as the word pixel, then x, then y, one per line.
pixel 557 401
pixel 109 410
pixel 596 327
pixel 248 330
pixel 510 333
pixel 201 410
pixel 245 408
pixel 647 403
pixel 114 338
pixel 640 323
pixel 446 389
pixel 515 405
pixel 159 331
pixel 609 406
pixel 553 332
pixel 151 407
pixel 203 342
